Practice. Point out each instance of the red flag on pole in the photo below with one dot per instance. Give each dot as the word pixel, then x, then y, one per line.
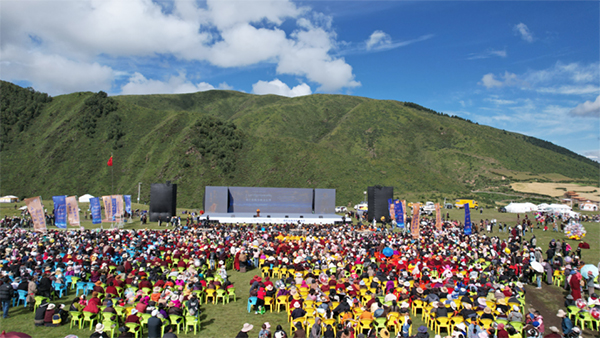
pixel 109 162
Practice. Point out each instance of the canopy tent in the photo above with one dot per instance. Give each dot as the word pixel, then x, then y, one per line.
pixel 9 199
pixel 85 198
pixel 516 208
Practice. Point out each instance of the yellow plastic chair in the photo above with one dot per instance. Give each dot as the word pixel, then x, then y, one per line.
pixel 364 324
pixel 282 301
pixel 443 323
pixel 417 305
pixel 210 293
pixel 293 323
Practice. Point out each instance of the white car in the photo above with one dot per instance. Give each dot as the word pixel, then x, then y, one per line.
pixel 341 209
pixel 361 206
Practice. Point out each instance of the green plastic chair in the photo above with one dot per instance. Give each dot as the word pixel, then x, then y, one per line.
pixel 135 328
pixel 110 325
pixel 584 319
pixel 177 321
pixel 223 295
pixel 231 293
pixel 89 317
pixel 193 322
pixel 76 317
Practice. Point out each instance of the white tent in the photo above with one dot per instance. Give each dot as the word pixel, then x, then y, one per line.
pixel 516 208
pixel 9 199
pixel 85 198
pixel 588 206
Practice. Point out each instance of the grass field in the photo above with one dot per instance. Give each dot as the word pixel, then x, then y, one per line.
pixel 557 189
pixel 220 320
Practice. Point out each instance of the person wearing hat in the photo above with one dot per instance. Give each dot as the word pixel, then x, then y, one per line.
pixel 244 331
pixel 99 332
pixel 298 311
pixel 6 294
pixel 133 317
pixel 566 324
pixel 265 331
pixel 422 332
pixel 48 314
pixel 154 325
pixel 515 315
pixel 554 332
pixel 126 333
pixel 487 314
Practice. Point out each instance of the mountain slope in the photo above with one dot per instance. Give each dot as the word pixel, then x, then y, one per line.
pixel 232 138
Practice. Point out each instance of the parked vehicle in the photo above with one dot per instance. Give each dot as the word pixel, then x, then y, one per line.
pixel 448 206
pixel 361 206
pixel 460 203
pixel 429 206
pixel 502 209
pixel 341 209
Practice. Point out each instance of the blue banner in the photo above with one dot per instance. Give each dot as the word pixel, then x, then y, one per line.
pixel 399 214
pixel 468 229
pixel 127 199
pixel 114 208
pixel 96 210
pixel 60 211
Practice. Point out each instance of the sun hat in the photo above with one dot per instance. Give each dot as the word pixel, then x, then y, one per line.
pixel 297 305
pixel 487 310
pixel 51 306
pixel 134 311
pixel 99 328
pixel 561 313
pixel 247 327
pixel 422 329
pixel 554 329
pixel 154 313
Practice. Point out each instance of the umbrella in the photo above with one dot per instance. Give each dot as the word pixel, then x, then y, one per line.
pixel 13 334
pixel 388 252
pixel 589 267
pixel 537 266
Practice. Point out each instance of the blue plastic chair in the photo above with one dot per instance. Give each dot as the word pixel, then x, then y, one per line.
pixel 60 288
pixel 90 287
pixel 22 297
pixel 81 286
pixel 251 302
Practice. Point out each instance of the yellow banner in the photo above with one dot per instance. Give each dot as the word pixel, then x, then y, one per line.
pixel 107 200
pixel 415 227
pixel 438 217
pixel 34 205
pixel 392 212
pixel 73 211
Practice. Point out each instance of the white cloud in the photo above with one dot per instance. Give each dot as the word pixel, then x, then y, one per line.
pixel 279 88
pixel 138 84
pixel 378 39
pixel 53 73
pixel 592 154
pixel 507 79
pixel 500 102
pixel 587 109
pixel 487 54
pixel 222 33
pixel 522 30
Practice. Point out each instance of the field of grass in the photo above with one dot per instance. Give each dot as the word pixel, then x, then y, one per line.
pixel 220 320
pixel 558 189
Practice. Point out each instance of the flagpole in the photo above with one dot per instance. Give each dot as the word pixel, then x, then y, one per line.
pixel 112 174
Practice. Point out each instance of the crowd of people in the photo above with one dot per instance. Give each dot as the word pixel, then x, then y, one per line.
pixel 333 281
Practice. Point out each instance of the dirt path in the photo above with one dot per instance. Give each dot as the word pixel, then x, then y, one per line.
pixel 548 300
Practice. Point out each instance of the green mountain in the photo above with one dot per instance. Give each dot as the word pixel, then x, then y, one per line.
pixel 60 145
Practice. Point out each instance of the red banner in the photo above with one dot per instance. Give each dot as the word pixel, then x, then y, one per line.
pixel 438 217
pixel 415 226
pixel 73 211
pixel 34 205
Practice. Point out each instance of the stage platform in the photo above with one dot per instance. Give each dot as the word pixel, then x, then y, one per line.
pixel 274 218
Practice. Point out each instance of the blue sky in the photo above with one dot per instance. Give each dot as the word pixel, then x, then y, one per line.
pixel 530 67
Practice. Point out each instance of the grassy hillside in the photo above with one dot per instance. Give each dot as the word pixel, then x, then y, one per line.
pixel 231 138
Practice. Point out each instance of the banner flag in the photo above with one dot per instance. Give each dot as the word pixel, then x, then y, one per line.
pixel 404 211
pixel 438 217
pixel 415 227
pixel 391 206
pixel 108 210
pixel 114 207
pixel 468 229
pixel 96 210
pixel 73 211
pixel 120 210
pixel 34 206
pixel 60 211
pixel 127 199
pixel 399 210
pixel 109 163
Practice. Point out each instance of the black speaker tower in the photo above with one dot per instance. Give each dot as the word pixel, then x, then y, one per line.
pixel 377 201
pixel 163 201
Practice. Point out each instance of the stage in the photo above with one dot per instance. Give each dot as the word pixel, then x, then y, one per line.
pixel 273 218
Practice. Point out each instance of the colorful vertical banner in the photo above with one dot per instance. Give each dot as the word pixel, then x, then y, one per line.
pixel 404 211
pixel 34 206
pixel 415 227
pixel 468 229
pixel 399 211
pixel 108 209
pixel 73 211
pixel 391 206
pixel 438 217
pixel 120 206
pixel 60 211
pixel 114 207
pixel 127 199
pixel 96 210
